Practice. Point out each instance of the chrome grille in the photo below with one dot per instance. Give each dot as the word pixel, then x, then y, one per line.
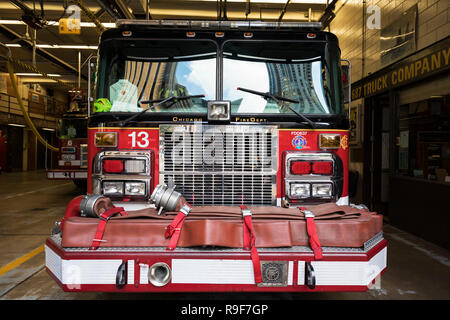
pixel 220 165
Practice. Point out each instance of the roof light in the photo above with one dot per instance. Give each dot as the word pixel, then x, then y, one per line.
pixel 190 34
pixel 248 35
pixel 219 34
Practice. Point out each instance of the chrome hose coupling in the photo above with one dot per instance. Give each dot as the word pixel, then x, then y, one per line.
pixel 165 198
pixel 93 205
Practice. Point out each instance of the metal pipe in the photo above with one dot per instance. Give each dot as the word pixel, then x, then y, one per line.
pixel 124 9
pixel 108 10
pixel 89 84
pixel 79 69
pixel 349 84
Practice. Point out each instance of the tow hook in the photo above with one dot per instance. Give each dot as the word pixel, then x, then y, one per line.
pixel 121 276
pixel 310 276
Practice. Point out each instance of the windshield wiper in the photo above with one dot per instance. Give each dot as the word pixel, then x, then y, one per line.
pixel 268 95
pixel 172 99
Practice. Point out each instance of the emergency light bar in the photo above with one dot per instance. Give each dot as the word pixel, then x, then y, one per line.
pixel 220 24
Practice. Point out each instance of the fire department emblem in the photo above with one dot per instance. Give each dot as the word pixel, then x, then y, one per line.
pixel 274 273
pixel 344 142
pixel 299 142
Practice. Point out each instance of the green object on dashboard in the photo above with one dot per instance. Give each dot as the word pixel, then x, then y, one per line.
pixel 102 105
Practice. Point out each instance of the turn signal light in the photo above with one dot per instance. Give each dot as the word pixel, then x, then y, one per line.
pixel 322 167
pixel 124 166
pixel 300 167
pixel 314 167
pixel 113 166
pixel 106 139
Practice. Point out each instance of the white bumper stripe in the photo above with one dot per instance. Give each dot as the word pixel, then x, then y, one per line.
pixel 214 271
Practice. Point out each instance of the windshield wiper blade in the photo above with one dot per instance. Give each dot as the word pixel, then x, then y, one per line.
pixel 267 95
pixel 173 99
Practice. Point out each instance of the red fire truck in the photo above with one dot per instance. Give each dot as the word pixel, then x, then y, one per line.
pixel 73 150
pixel 219 164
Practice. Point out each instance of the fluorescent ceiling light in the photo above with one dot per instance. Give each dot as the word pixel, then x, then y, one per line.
pixel 16 125
pixel 66 46
pixel 279 1
pixel 57 46
pixel 48 129
pixel 56 23
pixel 24 74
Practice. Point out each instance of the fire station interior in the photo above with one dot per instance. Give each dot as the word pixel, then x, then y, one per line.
pixel 398 141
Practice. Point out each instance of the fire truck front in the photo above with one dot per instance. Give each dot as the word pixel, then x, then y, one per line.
pixel 236 120
pixel 73 150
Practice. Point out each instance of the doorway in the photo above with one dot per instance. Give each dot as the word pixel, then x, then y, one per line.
pixel 377 152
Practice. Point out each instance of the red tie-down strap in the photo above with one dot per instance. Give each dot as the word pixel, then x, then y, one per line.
pixel 249 242
pixel 312 233
pixel 104 217
pixel 174 229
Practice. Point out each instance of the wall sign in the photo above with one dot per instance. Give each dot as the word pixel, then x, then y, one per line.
pixel 427 62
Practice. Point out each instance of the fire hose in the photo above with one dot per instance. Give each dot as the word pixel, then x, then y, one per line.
pixel 222 226
pixel 9 62
pixel 25 113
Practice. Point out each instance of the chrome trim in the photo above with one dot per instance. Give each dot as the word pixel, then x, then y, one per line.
pixel 153 276
pixel 98 177
pixel 115 155
pixel 336 178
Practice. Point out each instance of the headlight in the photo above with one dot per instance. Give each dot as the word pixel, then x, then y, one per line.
pixel 135 188
pixel 219 110
pixel 112 188
pixel 329 141
pixel 106 139
pixel 300 190
pixel 322 190
pixel 68 157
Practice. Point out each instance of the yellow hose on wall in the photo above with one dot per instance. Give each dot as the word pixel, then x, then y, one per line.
pixel 25 113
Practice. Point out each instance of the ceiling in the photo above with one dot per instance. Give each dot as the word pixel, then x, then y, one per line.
pixel 63 61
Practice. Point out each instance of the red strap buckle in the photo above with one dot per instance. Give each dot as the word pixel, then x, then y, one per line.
pixel 312 233
pixel 249 242
pixel 104 217
pixel 174 229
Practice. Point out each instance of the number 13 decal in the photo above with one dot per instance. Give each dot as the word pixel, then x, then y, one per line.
pixel 139 139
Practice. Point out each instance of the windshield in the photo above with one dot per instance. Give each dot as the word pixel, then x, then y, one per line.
pixel 72 128
pixel 308 73
pixel 136 71
pixel 136 74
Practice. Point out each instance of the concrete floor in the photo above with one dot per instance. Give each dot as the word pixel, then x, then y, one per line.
pixel 31 204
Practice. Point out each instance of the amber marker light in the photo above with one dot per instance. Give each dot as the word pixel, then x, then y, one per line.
pixel 106 139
